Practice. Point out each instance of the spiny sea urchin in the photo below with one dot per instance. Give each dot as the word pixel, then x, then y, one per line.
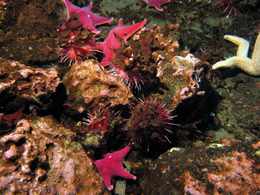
pixel 133 61
pixel 150 122
pixel 232 6
pixel 99 126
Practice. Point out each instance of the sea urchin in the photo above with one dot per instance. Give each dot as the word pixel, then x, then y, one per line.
pixel 149 121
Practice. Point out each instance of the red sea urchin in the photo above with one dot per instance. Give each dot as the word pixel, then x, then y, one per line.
pixel 99 121
pixel 99 125
pixel 75 42
pixel 133 60
pixel 149 122
pixel 231 6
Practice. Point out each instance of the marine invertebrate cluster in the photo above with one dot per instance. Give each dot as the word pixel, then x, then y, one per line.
pixel 145 60
pixel 111 43
pixel 133 57
pixel 136 61
pixel 41 156
pixel 75 42
pixel 133 61
pixel 98 124
pixel 76 37
pixel 136 58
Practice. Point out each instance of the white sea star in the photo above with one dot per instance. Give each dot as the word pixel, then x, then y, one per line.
pixel 250 66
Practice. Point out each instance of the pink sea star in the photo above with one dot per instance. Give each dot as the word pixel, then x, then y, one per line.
pixel 112 43
pixel 111 165
pixel 156 3
pixel 86 16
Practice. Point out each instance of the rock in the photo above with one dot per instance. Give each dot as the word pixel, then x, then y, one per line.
pixel 44 158
pixel 232 168
pixel 93 86
pixel 20 83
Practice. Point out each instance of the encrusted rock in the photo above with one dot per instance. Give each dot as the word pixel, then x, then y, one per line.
pixel 21 82
pixel 47 160
pixel 181 76
pixel 232 169
pixel 93 86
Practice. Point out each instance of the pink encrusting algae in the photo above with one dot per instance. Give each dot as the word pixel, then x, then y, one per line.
pixel 234 174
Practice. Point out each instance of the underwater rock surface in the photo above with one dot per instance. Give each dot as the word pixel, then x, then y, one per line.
pixel 41 157
pixel 24 84
pixel 94 87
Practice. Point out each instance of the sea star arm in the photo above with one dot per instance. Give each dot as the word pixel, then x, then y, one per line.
pixel 125 174
pixel 88 19
pixel 111 43
pixel 256 53
pixel 128 31
pixel 70 7
pixel 243 45
pixel 251 67
pixel 97 20
pixel 157 3
pixel 243 63
pixel 120 155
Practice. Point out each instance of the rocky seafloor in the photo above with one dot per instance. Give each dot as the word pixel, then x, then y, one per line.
pixel 195 130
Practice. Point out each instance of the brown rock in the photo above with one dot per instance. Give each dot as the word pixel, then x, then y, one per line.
pixel 93 86
pixel 23 82
pixel 48 160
